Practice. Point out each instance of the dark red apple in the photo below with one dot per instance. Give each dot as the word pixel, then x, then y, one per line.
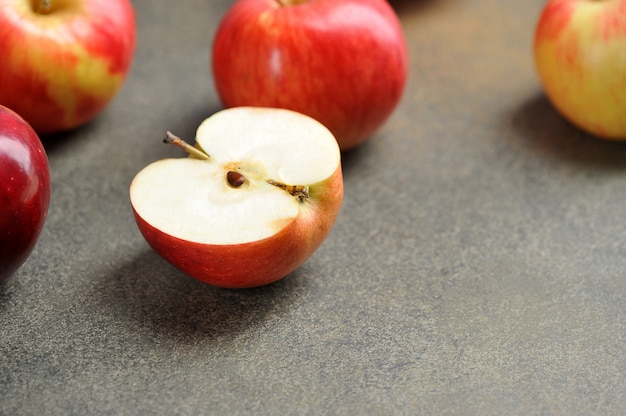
pixel 342 62
pixel 24 190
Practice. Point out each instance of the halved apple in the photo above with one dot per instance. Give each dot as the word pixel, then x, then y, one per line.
pixel 256 198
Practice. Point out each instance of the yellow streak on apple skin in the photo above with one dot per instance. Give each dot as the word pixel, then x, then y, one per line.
pixel 590 91
pixel 89 75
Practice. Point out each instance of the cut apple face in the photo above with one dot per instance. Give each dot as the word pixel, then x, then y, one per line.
pixel 254 175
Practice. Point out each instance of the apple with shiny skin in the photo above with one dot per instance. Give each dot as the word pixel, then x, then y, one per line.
pixel 580 55
pixel 258 195
pixel 24 190
pixel 342 62
pixel 63 61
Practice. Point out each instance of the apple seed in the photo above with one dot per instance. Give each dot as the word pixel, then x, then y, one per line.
pixel 235 179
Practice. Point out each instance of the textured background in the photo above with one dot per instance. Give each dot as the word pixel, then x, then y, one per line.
pixel 477 267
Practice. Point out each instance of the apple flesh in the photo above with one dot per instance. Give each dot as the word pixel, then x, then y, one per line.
pixel 63 61
pixel 258 195
pixel 343 63
pixel 24 191
pixel 580 55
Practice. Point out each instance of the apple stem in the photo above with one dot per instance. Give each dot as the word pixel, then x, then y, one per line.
pixel 170 138
pixel 44 6
pixel 299 191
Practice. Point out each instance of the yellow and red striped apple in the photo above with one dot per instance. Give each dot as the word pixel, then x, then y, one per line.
pixel 258 196
pixel 580 56
pixel 63 61
pixel 343 63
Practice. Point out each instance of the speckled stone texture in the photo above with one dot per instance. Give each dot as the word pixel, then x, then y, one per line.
pixel 477 267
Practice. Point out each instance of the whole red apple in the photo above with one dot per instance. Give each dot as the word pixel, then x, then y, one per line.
pixel 24 190
pixel 63 61
pixel 342 62
pixel 580 55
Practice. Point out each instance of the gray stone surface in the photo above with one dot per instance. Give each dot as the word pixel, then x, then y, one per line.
pixel 478 265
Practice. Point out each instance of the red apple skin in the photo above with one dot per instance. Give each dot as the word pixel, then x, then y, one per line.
pixel 343 63
pixel 580 56
pixel 256 263
pixel 61 69
pixel 24 191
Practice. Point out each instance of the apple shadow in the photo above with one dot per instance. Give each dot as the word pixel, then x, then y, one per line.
pixel 10 290
pixel 55 142
pixel 544 131
pixel 5 294
pixel 148 294
pixel 353 159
